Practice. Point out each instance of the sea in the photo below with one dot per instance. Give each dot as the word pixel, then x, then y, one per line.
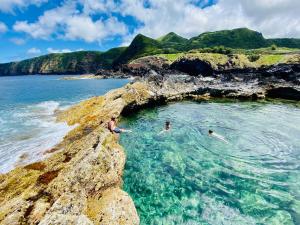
pixel 28 104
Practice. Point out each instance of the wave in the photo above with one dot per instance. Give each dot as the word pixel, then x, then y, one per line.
pixel 29 131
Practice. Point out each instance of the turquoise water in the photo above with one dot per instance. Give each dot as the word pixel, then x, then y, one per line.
pixel 27 107
pixel 187 177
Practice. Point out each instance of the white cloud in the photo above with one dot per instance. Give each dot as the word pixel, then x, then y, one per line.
pixel 49 24
pixel 9 5
pixel 51 50
pixel 18 41
pixel 96 20
pixel 3 27
pixel 274 18
pixel 67 22
pixel 94 6
pixel 84 28
pixel 34 51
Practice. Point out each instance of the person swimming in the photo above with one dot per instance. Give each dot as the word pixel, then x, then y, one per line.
pixel 218 136
pixel 167 127
pixel 112 126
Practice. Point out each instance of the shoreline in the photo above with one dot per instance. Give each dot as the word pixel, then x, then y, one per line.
pixel 82 179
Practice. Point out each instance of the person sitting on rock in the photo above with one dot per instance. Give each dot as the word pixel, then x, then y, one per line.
pixel 112 126
pixel 218 136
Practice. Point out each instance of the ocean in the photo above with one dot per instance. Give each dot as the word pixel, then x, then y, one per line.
pixel 28 125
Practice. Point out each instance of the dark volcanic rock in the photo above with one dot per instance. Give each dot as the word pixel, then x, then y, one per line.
pixel 290 93
pixel 193 67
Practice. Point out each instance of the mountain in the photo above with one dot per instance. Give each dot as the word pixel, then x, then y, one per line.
pixel 139 47
pixel 90 61
pixel 238 38
pixel 173 41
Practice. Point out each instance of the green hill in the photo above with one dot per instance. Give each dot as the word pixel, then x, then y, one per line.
pixel 173 41
pixel 286 42
pixel 139 47
pixel 90 61
pixel 238 38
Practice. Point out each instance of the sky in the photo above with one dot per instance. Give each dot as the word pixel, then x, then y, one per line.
pixel 30 28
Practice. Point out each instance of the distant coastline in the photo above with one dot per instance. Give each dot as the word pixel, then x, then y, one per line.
pixel 248 43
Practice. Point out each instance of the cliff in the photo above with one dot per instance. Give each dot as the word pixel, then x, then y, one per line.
pixel 82 62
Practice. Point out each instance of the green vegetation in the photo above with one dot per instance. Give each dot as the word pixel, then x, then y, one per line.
pixel 237 38
pixel 253 57
pixel 227 42
pixel 139 47
pixel 273 47
pixel 173 42
pixel 270 59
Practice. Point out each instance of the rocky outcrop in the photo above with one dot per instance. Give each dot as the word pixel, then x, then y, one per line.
pixel 81 181
pixel 193 67
pixel 290 93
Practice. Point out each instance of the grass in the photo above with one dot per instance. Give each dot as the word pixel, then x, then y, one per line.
pixel 267 60
pixel 240 58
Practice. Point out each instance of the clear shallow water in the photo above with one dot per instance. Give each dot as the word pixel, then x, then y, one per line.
pixel 186 177
pixel 27 106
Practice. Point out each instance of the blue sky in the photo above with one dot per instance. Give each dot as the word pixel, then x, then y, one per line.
pixel 30 28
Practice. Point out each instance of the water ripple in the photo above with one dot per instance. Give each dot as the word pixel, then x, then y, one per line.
pixel 186 177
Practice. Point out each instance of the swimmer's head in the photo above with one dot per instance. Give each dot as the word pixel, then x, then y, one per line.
pixel 210 131
pixel 168 124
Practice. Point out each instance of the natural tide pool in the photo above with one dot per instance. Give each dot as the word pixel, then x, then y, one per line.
pixel 186 177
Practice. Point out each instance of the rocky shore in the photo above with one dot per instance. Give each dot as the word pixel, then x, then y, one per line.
pixel 81 180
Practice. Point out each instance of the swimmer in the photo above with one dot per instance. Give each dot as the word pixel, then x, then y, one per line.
pixel 218 136
pixel 167 127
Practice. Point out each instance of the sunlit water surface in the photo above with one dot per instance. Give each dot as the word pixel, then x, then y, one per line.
pixel 186 177
pixel 27 113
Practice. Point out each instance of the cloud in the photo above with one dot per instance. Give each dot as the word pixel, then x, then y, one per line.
pixel 8 6
pixel 275 18
pixel 49 24
pixel 99 20
pixel 34 51
pixel 67 22
pixel 84 28
pixel 3 27
pixel 18 41
pixel 51 50
pixel 96 6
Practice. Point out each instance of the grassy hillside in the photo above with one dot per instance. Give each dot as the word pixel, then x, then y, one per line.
pixel 286 42
pixel 238 41
pixel 173 42
pixel 139 47
pixel 237 38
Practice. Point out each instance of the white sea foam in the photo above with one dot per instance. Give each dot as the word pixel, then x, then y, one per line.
pixel 31 130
